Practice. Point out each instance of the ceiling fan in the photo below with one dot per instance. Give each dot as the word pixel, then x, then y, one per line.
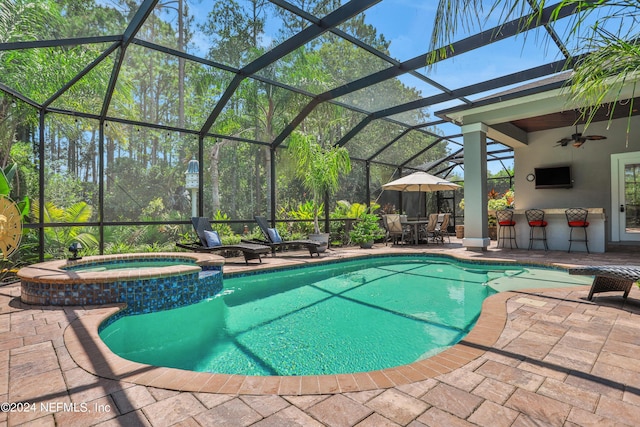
pixel 577 139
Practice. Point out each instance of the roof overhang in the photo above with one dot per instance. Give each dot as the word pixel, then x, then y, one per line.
pixel 507 115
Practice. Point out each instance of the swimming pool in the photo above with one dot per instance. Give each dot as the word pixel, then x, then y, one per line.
pixel 353 316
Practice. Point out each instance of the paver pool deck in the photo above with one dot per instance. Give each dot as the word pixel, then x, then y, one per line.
pixel 538 357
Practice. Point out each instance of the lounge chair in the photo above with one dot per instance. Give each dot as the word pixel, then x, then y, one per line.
pixel 209 241
pixel 609 278
pixel 275 242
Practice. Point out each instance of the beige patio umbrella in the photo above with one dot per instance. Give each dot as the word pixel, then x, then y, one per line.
pixel 420 181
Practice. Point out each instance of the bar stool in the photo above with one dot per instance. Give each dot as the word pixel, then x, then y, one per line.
pixel 506 222
pixel 535 218
pixel 577 218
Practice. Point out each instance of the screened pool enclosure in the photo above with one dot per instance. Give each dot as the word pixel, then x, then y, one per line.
pixel 103 103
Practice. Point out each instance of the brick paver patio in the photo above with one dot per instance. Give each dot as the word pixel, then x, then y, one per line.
pixel 556 359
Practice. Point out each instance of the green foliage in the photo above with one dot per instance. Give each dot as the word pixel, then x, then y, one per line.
pixel 304 210
pixel 156 247
pixel 224 230
pixel 230 239
pixel 304 214
pixel 154 209
pixel 495 201
pixel 58 239
pixel 116 248
pixel 366 229
pixel 350 211
pixel 6 176
pixel 497 204
pixel 318 167
pixel 345 209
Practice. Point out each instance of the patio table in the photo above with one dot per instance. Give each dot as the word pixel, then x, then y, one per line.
pixel 416 226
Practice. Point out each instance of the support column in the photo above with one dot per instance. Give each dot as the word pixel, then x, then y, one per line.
pixel 476 233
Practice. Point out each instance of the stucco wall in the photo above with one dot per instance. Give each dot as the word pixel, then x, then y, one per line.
pixel 590 166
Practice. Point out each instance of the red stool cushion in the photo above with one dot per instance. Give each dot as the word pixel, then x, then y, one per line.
pixel 578 223
pixel 538 223
pixel 507 223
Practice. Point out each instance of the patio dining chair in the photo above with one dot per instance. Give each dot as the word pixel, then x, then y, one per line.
pixel 437 227
pixel 394 229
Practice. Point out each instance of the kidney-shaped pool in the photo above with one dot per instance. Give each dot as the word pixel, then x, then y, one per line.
pixel 345 317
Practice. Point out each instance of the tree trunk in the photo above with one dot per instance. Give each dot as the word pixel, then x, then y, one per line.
pixel 214 158
pixel 110 157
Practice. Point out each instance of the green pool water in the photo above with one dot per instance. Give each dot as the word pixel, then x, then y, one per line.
pixel 347 317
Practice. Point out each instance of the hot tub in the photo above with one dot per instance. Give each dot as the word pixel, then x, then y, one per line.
pixel 146 282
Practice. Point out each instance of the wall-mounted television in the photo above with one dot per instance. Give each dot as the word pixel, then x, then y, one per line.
pixel 553 177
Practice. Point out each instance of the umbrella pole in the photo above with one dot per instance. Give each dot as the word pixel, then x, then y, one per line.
pixel 420 201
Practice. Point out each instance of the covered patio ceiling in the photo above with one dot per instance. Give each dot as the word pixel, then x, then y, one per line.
pixel 479 66
pixel 568 118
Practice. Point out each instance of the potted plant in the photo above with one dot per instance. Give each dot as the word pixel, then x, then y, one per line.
pixel 366 230
pixel 319 168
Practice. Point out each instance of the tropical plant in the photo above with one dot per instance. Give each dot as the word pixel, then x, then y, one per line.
pixel 613 58
pixel 6 177
pixel 223 228
pixel 304 214
pixel 58 239
pixel 367 229
pixel 319 168
pixel 345 209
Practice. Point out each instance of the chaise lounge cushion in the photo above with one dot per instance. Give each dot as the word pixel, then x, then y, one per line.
pixel 274 235
pixel 578 223
pixel 212 238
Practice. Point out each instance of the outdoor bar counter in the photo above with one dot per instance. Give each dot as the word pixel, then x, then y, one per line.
pixel 558 231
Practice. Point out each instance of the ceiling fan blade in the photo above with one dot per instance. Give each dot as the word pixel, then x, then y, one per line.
pixel 595 137
pixel 564 141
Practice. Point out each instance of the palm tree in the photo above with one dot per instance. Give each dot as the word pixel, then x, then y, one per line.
pixel 614 55
pixel 319 168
